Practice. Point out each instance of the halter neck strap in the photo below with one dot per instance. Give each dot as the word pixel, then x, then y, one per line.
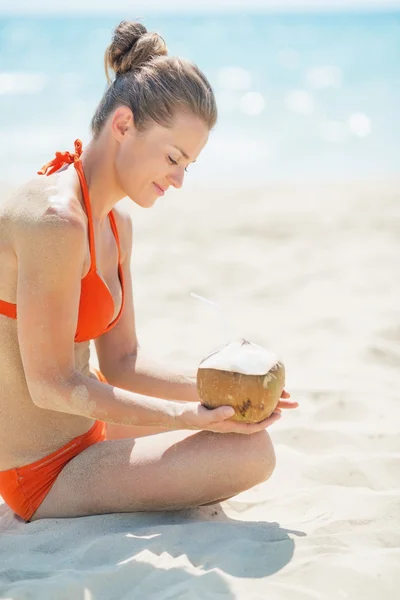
pixel 66 158
pixel 61 159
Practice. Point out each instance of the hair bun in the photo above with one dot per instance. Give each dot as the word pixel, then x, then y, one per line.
pixel 132 46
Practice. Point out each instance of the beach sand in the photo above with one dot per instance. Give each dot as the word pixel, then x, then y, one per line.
pixel 312 272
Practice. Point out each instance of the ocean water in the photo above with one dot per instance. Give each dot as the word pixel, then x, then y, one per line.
pixel 302 97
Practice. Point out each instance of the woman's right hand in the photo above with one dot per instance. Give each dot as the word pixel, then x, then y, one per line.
pixel 196 416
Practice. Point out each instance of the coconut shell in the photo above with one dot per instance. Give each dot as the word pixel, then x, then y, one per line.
pixel 254 397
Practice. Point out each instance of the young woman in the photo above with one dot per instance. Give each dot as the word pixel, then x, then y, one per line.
pixel 73 443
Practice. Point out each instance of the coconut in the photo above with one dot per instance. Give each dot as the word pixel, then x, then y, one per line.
pixel 242 375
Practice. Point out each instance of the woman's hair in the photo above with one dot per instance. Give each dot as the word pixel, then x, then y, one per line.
pixel 153 85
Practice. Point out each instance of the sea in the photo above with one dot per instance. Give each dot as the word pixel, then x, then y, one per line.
pixel 301 96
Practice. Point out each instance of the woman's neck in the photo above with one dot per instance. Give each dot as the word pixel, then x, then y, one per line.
pixel 98 167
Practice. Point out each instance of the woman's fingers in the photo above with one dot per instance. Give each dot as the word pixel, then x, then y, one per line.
pixel 219 419
pixel 287 404
pixel 222 413
pixel 249 428
pixel 228 426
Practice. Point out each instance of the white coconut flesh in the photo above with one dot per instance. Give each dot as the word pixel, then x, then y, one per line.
pixel 241 357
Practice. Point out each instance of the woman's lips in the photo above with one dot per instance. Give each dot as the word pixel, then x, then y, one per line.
pixel 159 189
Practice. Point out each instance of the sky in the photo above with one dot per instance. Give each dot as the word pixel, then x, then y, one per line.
pixel 164 6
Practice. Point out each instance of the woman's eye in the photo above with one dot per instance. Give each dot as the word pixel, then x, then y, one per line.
pixel 174 162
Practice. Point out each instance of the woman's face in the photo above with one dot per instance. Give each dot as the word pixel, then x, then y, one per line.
pixel 148 163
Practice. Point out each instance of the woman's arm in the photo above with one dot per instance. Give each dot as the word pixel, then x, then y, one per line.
pixel 139 373
pixel 121 360
pixel 51 252
pixel 51 255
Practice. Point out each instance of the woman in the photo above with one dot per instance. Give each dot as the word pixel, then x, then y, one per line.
pixel 71 443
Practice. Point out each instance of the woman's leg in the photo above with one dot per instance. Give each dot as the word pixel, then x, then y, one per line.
pixel 169 471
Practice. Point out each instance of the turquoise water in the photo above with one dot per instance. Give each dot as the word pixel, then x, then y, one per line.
pixel 301 96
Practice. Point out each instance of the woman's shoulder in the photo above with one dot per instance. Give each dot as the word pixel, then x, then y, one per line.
pixel 44 203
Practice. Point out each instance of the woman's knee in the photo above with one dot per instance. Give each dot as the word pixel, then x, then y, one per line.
pixel 260 455
pixel 251 458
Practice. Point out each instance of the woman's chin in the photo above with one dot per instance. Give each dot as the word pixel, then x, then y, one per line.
pixel 145 200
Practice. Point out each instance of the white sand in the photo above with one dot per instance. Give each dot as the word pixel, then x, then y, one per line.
pixel 314 274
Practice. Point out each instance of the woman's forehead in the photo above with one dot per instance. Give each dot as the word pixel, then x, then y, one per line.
pixel 187 134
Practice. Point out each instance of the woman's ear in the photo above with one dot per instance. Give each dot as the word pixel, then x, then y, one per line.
pixel 121 122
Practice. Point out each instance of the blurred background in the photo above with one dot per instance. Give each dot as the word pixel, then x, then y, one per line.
pixel 289 219
pixel 305 91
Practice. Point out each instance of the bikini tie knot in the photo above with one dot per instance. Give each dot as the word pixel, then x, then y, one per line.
pixel 61 159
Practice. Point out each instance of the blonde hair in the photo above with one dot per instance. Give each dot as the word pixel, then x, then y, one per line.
pixel 152 84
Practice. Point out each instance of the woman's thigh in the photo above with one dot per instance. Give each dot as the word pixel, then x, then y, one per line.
pixel 164 472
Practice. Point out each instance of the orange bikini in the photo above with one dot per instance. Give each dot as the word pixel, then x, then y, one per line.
pixel 24 488
pixel 96 306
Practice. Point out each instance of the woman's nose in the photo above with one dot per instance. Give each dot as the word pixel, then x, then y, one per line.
pixel 176 178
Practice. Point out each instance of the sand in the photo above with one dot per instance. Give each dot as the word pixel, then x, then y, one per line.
pixel 313 273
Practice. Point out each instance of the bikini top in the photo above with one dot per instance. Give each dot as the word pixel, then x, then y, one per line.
pixel 96 305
